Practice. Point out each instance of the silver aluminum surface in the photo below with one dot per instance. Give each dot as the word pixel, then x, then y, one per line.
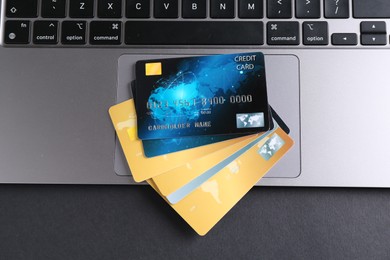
pixel 52 129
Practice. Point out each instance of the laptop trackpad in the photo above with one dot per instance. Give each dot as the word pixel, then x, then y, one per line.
pixel 283 93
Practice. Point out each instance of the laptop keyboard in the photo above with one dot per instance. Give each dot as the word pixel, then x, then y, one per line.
pixel 140 23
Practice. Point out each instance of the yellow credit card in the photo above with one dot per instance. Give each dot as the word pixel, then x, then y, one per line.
pixel 124 119
pixel 172 180
pixel 208 203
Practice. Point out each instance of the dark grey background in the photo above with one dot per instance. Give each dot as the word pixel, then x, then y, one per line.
pixel 133 222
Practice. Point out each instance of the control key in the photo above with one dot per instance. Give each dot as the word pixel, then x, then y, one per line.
pixel 45 32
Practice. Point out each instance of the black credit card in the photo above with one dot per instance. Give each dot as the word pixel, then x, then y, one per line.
pixel 205 95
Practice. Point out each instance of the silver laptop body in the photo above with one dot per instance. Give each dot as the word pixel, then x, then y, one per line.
pixel 54 100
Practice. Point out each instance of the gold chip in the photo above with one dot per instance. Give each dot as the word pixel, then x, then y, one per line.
pixel 153 69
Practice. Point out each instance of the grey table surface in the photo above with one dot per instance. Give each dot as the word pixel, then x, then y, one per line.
pixel 133 222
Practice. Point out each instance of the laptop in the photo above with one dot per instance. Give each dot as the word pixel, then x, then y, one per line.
pixel 65 62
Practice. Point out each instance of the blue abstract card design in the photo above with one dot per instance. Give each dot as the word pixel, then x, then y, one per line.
pixel 205 95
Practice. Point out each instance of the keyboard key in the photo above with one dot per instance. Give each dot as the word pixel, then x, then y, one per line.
pixel 307 8
pixel 193 33
pixel 53 8
pixel 279 9
pixel 73 32
pixel 105 33
pixel 337 8
pixel 138 8
pixel 371 9
pixel 166 8
pixel 373 27
pixel 81 8
pixel 344 39
pixel 45 32
pixel 283 33
pixel 315 33
pixel 22 8
pixel 194 8
pixel 374 39
pixel 110 8
pixel 250 8
pixel 222 8
pixel 17 32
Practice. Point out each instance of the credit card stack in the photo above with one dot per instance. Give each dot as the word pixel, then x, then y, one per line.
pixel 200 131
